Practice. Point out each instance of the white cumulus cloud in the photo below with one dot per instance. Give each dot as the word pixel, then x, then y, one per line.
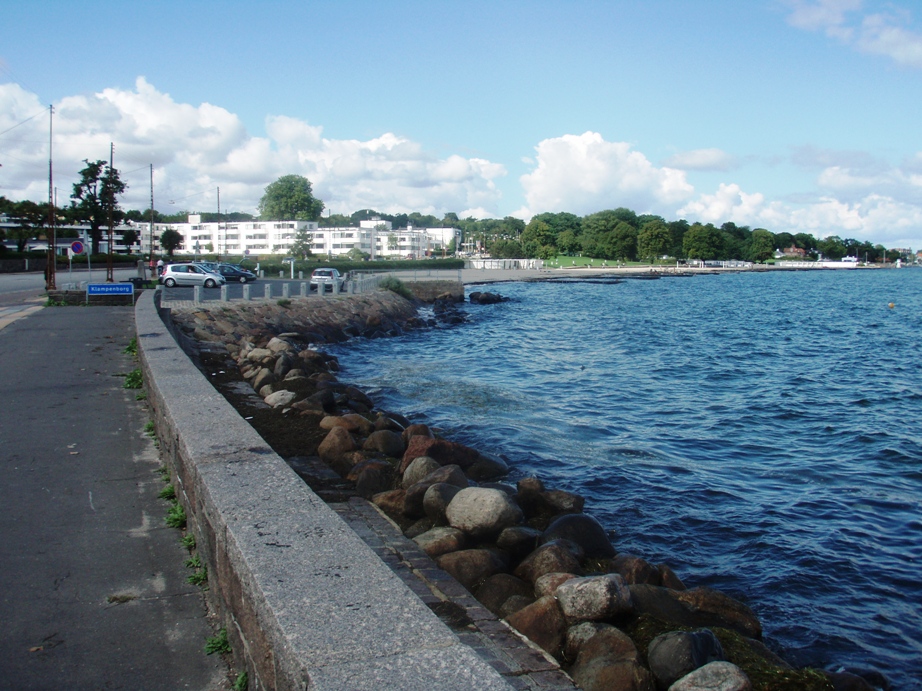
pixel 198 148
pixel 584 173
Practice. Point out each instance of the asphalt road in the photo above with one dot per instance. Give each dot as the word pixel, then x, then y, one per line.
pixel 93 587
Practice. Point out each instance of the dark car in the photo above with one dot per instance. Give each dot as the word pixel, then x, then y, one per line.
pixel 235 273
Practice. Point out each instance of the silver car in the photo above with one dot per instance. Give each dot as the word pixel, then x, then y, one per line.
pixel 190 275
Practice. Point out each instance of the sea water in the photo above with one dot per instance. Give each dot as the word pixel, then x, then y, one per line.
pixel 760 433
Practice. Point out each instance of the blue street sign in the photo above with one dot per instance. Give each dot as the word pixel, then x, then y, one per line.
pixel 76 247
pixel 110 289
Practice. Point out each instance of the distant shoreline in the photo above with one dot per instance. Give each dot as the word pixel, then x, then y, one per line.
pixel 482 276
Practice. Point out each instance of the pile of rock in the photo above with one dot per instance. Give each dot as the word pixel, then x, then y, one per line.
pixel 532 557
pixel 486 298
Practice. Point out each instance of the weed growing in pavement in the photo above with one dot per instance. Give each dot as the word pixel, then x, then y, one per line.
pixel 176 516
pixel 200 577
pixel 149 429
pixel 217 643
pixel 132 347
pixel 142 396
pixel 188 541
pixel 242 683
pixel 168 493
pixel 134 379
pixel 164 473
pixel 194 562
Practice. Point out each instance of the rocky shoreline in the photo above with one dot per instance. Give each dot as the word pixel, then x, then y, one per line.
pixel 528 553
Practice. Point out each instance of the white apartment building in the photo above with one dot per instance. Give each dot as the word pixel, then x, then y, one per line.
pixel 376 238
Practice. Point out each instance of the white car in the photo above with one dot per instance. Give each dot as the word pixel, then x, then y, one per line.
pixel 322 279
pixel 190 275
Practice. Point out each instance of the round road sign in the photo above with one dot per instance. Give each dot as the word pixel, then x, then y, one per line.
pixel 76 247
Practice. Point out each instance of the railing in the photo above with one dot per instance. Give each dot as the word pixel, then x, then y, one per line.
pixel 362 281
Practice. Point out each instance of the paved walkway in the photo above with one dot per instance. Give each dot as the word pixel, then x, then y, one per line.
pixel 93 590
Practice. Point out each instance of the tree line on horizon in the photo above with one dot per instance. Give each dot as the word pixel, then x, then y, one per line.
pixel 616 234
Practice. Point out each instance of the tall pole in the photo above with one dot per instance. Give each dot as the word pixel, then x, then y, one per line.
pixel 110 269
pixel 52 240
pixel 219 227
pixel 151 247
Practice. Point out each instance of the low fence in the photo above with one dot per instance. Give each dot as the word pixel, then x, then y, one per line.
pixel 504 264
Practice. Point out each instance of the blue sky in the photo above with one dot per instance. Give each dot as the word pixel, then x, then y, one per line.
pixel 792 115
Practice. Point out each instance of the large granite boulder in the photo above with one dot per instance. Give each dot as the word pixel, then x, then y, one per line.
pixel 445 452
pixel 481 512
pixel 635 570
pixel 558 556
pixel 436 501
pixel 698 607
pixel 418 469
pixel 441 540
pixel 541 506
pixel 717 676
pixel 352 422
pixel 582 529
pixel 336 444
pixel 518 541
pixel 542 623
pixel 386 442
pixel 549 582
pixel 594 597
pixel 672 655
pixel 471 566
pixel 495 590
pixel 416 493
pixel 609 660
pixel 281 399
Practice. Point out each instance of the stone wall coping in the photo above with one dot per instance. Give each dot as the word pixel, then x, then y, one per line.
pixel 307 604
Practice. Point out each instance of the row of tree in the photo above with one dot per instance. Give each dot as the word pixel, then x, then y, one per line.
pixel 616 234
pixel 93 202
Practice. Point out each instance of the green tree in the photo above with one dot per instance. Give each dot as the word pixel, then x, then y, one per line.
pixel 805 241
pixel 392 243
pixel 506 249
pixel 678 230
pixel 832 247
pixel 621 243
pixel 30 218
pixel 702 242
pixel 761 245
pixel 335 221
pixel 595 231
pixel 290 198
pixel 537 235
pixel 302 244
pixel 356 255
pixel 129 237
pixel 170 240
pixel 94 200
pixel 568 242
pixel 653 240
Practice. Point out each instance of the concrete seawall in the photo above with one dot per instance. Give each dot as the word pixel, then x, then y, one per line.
pixel 307 604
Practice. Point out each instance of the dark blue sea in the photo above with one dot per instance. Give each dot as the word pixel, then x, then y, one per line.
pixel 761 433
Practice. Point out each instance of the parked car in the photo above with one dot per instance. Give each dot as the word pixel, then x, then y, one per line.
pixel 208 266
pixel 235 273
pixel 189 275
pixel 324 278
